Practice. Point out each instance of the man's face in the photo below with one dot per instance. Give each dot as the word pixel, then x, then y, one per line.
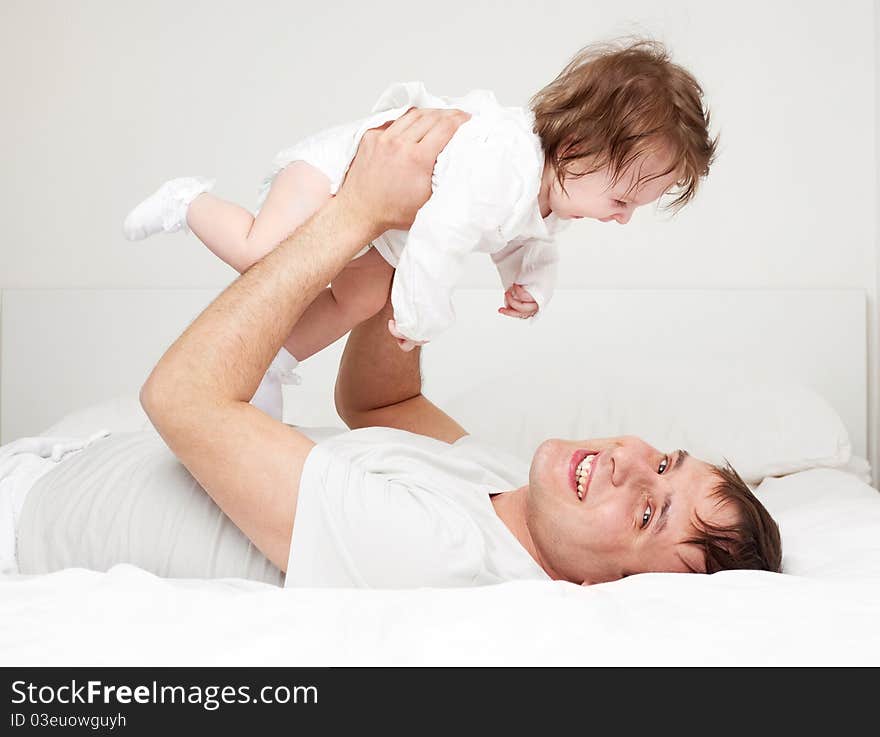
pixel 637 506
pixel 596 195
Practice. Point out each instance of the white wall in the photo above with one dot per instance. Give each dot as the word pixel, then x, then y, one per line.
pixel 105 99
pixel 874 315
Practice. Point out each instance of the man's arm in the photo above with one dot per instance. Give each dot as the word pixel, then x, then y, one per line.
pixel 197 395
pixel 380 385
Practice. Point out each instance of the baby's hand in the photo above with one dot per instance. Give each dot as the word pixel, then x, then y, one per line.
pixel 404 343
pixel 518 303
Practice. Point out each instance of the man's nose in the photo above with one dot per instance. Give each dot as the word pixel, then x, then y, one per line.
pixel 629 468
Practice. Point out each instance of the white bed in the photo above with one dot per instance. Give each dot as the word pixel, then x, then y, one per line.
pixel 753 385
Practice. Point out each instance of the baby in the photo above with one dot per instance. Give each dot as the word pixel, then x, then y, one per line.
pixel 619 127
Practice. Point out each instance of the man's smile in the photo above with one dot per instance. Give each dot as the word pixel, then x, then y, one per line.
pixel 580 471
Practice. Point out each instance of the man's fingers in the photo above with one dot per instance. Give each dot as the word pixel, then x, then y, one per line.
pixel 372 134
pixel 420 128
pixel 441 131
pixel 416 123
pixel 397 127
pixel 390 176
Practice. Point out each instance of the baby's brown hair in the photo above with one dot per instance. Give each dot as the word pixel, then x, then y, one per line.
pixel 618 101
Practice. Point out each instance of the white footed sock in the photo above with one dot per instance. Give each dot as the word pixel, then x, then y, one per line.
pixel 269 396
pixel 164 211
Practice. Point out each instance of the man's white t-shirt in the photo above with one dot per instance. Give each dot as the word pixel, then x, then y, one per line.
pixel 385 508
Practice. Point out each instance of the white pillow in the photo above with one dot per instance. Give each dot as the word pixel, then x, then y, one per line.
pixel 119 414
pixel 764 430
pixel 829 522
pixel 769 429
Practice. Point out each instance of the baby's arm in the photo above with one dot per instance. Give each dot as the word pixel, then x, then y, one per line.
pixel 528 273
pixel 429 269
pixel 475 190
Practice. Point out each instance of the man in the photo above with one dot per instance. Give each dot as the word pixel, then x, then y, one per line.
pixel 410 500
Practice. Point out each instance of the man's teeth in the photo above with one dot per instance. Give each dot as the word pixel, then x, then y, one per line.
pixel 582 474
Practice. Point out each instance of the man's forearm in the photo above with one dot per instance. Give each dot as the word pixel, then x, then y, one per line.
pixel 374 372
pixel 225 352
pixel 380 385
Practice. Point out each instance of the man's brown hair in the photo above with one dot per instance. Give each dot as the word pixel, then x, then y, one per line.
pixel 618 101
pixel 753 542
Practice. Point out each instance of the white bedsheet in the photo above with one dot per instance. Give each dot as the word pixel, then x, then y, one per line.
pixel 824 612
pixel 128 617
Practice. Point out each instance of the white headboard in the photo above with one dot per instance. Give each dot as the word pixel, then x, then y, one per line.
pixel 63 349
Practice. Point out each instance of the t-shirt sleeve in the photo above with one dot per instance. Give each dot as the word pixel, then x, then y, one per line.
pixel 358 528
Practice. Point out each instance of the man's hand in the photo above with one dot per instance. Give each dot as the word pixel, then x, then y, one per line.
pixel 389 178
pixel 518 303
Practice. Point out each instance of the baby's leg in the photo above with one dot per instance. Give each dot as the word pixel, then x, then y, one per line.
pixel 357 293
pixel 240 239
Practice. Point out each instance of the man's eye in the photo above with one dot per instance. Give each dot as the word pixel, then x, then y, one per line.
pixel 664 464
pixel 646 516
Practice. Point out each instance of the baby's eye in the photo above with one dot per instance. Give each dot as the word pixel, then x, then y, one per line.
pixel 646 516
pixel 664 464
pixel 620 203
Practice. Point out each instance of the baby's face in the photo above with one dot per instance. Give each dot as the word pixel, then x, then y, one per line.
pixel 597 196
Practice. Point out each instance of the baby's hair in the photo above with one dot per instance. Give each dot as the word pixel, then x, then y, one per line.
pixel 618 101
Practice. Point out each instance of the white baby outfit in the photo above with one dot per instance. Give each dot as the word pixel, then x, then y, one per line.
pixel 485 199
